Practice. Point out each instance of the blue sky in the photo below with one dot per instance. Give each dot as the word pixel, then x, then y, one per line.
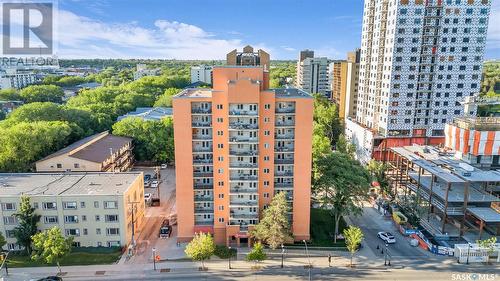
pixel 208 29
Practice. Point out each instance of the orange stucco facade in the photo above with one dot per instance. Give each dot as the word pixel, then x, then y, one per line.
pixel 236 145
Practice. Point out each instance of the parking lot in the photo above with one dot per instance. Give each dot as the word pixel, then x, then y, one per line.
pixel 148 237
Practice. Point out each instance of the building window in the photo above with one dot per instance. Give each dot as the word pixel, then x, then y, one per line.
pixel 220 145
pixel 267 106
pixel 98 231
pixel 221 195
pixel 266 195
pixel 9 206
pixel 266 171
pixel 110 204
pixel 72 232
pixel 97 218
pixel 267 120
pixel 220 106
pixel 220 119
pixel 69 205
pixel 111 218
pixel 266 183
pixel 221 183
pixel 10 233
pixel 49 205
pixel 221 207
pixel 112 231
pixel 221 170
pixel 59 166
pixel 220 133
pixel 84 218
pixel 267 133
pixel 76 165
pixel 71 219
pixel 266 158
pixel 220 158
pixel 85 232
pixel 266 145
pixel 9 220
pixel 221 219
pixel 82 204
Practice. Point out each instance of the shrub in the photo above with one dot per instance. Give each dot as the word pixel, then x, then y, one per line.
pixel 224 252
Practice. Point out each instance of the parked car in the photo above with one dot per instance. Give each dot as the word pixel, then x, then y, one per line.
pixel 50 278
pixel 165 229
pixel 147 177
pixel 387 237
pixel 147 197
pixel 155 183
pixel 163 166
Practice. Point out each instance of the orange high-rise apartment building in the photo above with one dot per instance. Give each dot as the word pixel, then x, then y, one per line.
pixel 238 144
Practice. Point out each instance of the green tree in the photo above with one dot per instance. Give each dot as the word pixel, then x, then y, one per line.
pixel 321 146
pixel 326 119
pixel 27 223
pixel 340 185
pixel 346 147
pixel 353 238
pixel 47 93
pixel 274 227
pixel 3 242
pixel 26 142
pixel 153 140
pixel 165 100
pixel 2 115
pixel 257 253
pixel 9 95
pixel 223 252
pixel 201 248
pixel 377 169
pixel 488 244
pixel 51 246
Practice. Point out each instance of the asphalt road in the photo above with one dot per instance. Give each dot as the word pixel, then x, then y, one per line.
pixel 371 222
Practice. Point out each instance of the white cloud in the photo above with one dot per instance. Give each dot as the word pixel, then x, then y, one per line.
pixel 289 49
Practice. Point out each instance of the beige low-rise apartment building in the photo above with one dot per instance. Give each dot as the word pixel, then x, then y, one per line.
pixel 97 209
pixel 101 152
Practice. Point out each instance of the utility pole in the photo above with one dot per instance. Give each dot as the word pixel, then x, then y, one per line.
pixel 309 259
pixel 133 208
pixel 158 175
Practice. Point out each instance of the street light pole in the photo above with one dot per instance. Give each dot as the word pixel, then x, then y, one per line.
pixel 468 252
pixel 229 259
pixel 309 259
pixel 154 259
pixel 385 256
pixel 282 254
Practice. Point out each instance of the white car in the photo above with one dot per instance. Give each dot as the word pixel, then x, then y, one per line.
pixel 387 237
pixel 163 166
pixel 147 197
pixel 154 184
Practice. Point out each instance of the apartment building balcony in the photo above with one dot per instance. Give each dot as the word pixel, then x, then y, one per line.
pixel 243 126
pixel 283 185
pixel 243 113
pixel 200 149
pixel 242 190
pixel 202 161
pixel 288 148
pixel 284 124
pixel 201 137
pixel 243 139
pixel 203 222
pixel 243 203
pixel 201 124
pixel 205 198
pixel 243 216
pixel 243 152
pixel 283 173
pixel 243 165
pixel 284 136
pixel 285 110
pixel 243 178
pixel 203 174
pixel 203 210
pixel 203 185
pixel 283 161
pixel 201 111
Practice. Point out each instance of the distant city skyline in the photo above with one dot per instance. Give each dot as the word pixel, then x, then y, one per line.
pixel 197 29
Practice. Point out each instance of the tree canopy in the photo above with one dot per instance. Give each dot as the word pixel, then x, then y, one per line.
pixel 353 238
pixel 340 185
pixel 27 223
pixel 201 248
pixel 274 227
pixel 42 93
pixel 51 246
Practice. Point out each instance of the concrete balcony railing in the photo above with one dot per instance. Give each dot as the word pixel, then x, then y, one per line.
pixel 241 203
pixel 201 110
pixel 283 173
pixel 203 185
pixel 202 137
pixel 284 123
pixel 201 124
pixel 203 222
pixel 243 178
pixel 284 148
pixel 235 112
pixel 243 139
pixel 203 210
pixel 243 215
pixel 283 185
pixel 243 126
pixel 242 190
pixel 243 165
pixel 203 174
pixel 283 161
pixel 284 136
pixel 244 152
pixel 202 149
pixel 285 110
pixel 203 161
pixel 203 198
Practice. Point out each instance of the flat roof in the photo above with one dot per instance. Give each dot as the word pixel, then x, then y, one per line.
pixel 484 213
pixel 291 92
pixel 57 184
pixel 195 93
pixel 444 165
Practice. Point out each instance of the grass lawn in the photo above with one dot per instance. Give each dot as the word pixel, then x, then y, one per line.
pixel 74 258
pixel 323 229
